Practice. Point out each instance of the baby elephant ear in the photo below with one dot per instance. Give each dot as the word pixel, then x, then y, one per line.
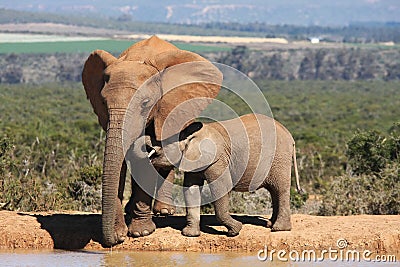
pixel 189 130
pixel 189 83
pixel 93 82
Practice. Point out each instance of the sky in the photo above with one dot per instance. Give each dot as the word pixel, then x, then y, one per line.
pixel 297 12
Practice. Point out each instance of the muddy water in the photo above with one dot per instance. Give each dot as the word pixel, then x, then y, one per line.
pixel 91 258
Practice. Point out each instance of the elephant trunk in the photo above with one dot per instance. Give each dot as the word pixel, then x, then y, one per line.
pixel 113 232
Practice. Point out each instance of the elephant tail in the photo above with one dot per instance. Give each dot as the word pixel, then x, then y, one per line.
pixel 296 171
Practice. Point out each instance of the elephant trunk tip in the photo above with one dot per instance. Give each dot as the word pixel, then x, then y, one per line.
pixel 109 240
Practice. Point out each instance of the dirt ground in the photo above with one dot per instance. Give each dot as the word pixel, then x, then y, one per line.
pixel 379 234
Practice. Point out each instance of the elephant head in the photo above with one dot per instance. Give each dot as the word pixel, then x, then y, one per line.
pixel 195 150
pixel 111 83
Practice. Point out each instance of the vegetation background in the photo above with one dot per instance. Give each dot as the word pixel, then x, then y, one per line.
pixel 341 104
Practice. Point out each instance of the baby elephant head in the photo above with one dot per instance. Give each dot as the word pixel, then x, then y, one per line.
pixel 193 150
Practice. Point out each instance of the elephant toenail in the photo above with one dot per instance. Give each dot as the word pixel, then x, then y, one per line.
pixel 136 234
pixel 145 232
pixel 164 211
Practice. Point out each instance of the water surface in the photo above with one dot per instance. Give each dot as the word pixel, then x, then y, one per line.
pixel 159 259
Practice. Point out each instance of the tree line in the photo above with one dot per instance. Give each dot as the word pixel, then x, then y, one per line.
pixel 353 33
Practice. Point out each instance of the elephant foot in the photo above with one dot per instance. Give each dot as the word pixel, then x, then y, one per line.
pixel 139 217
pixel 234 229
pixel 141 227
pixel 191 231
pixel 162 208
pixel 281 225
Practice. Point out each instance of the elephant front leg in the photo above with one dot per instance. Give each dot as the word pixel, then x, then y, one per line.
pixel 220 189
pixel 221 207
pixel 192 194
pixel 138 210
pixel 163 203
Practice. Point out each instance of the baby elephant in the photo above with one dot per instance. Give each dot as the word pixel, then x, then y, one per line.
pixel 242 154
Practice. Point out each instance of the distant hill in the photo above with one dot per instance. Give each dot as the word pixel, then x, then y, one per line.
pixel 299 12
pixel 362 32
pixel 274 64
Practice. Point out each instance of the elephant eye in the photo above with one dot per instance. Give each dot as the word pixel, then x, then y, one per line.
pixel 145 103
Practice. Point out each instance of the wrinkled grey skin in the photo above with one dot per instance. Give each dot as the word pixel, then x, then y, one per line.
pixel 228 156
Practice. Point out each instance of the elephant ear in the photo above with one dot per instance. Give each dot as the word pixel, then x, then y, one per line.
pixel 181 69
pixel 93 82
pixel 189 130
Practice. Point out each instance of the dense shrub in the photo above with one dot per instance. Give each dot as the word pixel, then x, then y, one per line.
pixel 5 160
pixel 54 137
pixel 297 199
pixel 86 189
pixel 6 166
pixel 372 185
pixel 51 145
pixel 367 152
pixel 364 194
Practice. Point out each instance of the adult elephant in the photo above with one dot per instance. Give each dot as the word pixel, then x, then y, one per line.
pixel 110 84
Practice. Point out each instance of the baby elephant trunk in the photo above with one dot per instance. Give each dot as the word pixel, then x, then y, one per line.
pixel 161 155
pixel 147 148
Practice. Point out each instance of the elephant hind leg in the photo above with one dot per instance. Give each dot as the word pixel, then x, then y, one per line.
pixel 280 220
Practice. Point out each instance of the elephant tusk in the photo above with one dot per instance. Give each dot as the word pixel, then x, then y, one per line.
pixel 151 153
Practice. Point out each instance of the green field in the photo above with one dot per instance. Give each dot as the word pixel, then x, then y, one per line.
pixel 88 46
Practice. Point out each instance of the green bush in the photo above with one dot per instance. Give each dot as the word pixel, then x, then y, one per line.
pixel 6 164
pixel 297 200
pixel 259 202
pixel 91 175
pixel 6 168
pixel 367 152
pixel 53 138
pixel 373 184
pixel 394 142
pixel 86 189
pixel 364 194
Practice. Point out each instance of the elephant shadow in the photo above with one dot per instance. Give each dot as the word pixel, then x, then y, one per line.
pixel 71 231
pixel 75 231
pixel 207 221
